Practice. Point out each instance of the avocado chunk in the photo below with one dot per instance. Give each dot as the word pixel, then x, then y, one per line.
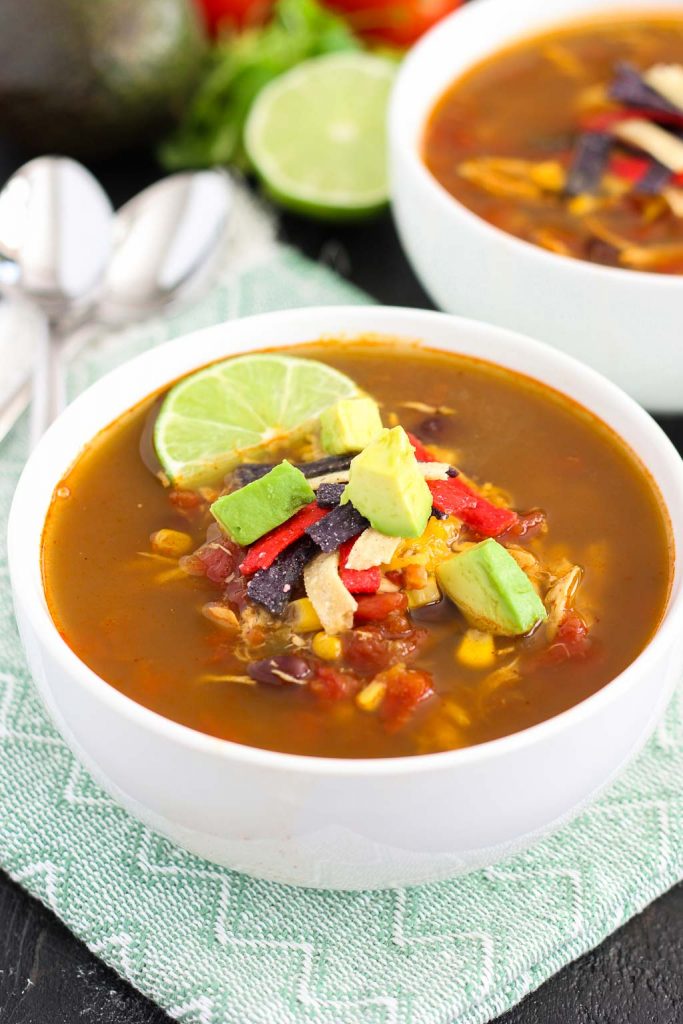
pixel 259 507
pixel 491 590
pixel 350 425
pixel 387 487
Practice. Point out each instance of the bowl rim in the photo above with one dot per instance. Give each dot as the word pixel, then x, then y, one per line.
pixel 406 145
pixel 23 562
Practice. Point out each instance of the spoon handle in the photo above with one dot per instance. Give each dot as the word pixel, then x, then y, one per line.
pixel 49 391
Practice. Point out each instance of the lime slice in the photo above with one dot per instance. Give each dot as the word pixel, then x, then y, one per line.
pixel 317 135
pixel 210 421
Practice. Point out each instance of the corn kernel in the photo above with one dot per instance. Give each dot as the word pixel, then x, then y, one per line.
pixel 550 175
pixel 171 543
pixel 327 647
pixel 429 594
pixel 371 696
pixel 302 616
pixel 476 650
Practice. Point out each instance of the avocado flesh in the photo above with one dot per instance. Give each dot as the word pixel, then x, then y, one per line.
pixel 252 511
pixel 387 487
pixel 349 425
pixel 87 78
pixel 491 590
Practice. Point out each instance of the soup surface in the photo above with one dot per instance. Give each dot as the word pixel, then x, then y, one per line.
pixel 563 141
pixel 181 637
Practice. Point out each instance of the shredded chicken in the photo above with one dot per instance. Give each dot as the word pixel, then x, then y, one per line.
pixel 559 599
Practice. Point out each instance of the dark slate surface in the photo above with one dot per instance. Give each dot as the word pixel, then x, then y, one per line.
pixel 48 977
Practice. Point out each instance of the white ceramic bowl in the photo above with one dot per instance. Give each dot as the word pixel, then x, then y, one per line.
pixel 624 323
pixel 324 822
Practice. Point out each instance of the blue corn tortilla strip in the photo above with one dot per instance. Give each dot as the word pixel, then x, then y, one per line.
pixel 342 523
pixel 250 471
pixel 629 88
pixel 329 495
pixel 330 464
pixel 655 181
pixel 273 587
pixel 588 163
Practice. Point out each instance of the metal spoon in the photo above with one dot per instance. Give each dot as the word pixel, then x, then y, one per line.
pixel 55 232
pixel 166 242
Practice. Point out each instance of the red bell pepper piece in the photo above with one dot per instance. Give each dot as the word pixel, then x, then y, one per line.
pixel 454 497
pixel 603 120
pixel 630 168
pixel 357 581
pixel 263 553
pixel 422 454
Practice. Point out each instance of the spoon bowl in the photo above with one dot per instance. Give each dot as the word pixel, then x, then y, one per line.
pixel 166 240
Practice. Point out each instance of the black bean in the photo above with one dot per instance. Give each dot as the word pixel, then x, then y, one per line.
pixel 431 428
pixel 283 670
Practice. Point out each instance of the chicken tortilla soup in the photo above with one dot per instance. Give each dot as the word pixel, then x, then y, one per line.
pixel 357 549
pixel 574 141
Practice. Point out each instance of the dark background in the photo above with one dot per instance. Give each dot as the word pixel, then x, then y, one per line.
pixel 48 977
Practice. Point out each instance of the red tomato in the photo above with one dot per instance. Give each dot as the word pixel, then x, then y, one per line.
pixel 234 13
pixel 398 23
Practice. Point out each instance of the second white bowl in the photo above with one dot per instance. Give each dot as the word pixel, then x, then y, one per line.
pixel 624 323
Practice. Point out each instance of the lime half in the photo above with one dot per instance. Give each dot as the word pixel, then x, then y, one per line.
pixel 210 420
pixel 317 135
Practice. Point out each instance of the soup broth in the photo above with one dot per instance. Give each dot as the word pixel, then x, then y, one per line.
pixel 535 141
pixel 135 617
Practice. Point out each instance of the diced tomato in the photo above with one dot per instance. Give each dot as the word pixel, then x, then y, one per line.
pixel 263 553
pixel 357 581
pixel 406 688
pixel 454 497
pixel 603 120
pixel 378 606
pixel 422 454
pixel 219 559
pixel 571 641
pixel 185 499
pixel 332 684
pixel 527 525
pixel 398 22
pixel 377 646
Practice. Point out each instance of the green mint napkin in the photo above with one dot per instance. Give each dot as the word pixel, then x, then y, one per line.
pixel 214 946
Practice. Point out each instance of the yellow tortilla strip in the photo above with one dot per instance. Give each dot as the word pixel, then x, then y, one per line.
pixel 667 80
pixel 652 139
pixel 333 604
pixel 372 548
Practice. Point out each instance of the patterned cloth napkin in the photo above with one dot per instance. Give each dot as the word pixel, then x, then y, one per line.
pixel 215 947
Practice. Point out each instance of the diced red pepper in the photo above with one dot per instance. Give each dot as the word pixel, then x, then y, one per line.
pixel 677 180
pixel 422 454
pixel 603 120
pixel 357 581
pixel 630 168
pixel 376 607
pixel 263 553
pixel 454 497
